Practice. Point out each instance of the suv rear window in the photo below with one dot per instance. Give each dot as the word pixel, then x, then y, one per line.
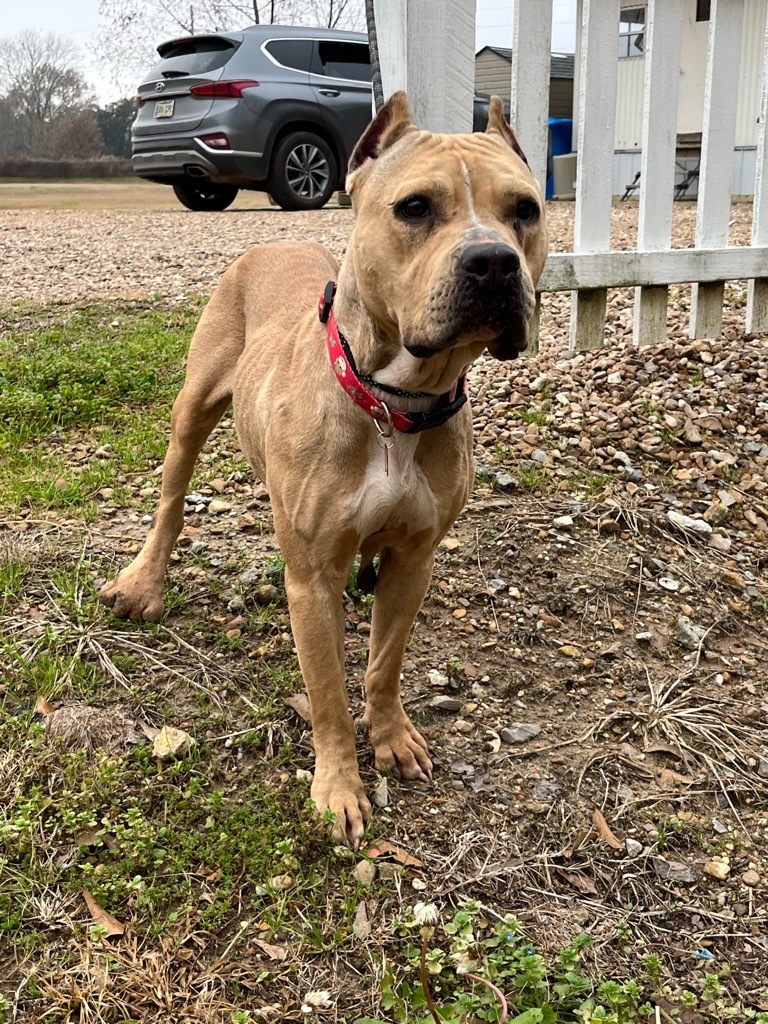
pixel 345 60
pixel 193 56
pixel 291 53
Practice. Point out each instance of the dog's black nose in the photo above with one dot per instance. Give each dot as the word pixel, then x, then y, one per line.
pixel 491 265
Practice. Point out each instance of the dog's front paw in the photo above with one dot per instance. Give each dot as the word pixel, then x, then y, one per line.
pixel 400 748
pixel 134 596
pixel 342 793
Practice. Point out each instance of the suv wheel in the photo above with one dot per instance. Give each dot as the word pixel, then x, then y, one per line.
pixel 205 195
pixel 303 174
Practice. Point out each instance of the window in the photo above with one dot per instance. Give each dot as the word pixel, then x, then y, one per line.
pixel 702 10
pixel 632 32
pixel 295 54
pixel 193 56
pixel 345 60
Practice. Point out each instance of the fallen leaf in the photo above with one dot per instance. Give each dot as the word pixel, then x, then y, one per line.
pixel 150 731
pixel 601 825
pixel 273 952
pixel 100 916
pixel 44 706
pixel 397 853
pixel 581 883
pixel 300 704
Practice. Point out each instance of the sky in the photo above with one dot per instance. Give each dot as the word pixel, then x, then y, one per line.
pixel 78 20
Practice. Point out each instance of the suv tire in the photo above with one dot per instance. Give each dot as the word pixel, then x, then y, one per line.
pixel 205 195
pixel 303 173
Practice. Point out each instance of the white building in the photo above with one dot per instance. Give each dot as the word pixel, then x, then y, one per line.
pixel 629 102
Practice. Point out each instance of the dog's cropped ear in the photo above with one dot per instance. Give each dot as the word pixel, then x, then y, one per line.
pixel 498 123
pixel 390 124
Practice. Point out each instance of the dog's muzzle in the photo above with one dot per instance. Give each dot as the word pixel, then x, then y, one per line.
pixel 487 293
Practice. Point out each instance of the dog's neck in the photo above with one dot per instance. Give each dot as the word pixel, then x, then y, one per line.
pixel 379 352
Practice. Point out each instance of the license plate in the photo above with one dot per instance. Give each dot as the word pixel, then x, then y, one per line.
pixel 164 108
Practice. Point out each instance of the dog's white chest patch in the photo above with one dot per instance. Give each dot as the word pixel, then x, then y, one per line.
pixel 385 499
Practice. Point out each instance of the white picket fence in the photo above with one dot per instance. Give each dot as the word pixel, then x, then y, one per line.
pixel 427 47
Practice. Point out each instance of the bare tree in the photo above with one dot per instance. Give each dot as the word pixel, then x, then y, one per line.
pixel 42 86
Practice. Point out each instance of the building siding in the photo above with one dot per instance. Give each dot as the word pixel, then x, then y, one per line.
pixel 493 74
pixel 693 63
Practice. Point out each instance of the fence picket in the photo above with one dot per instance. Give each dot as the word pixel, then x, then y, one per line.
pixel 531 58
pixel 757 292
pixel 663 40
pixel 595 132
pixel 721 91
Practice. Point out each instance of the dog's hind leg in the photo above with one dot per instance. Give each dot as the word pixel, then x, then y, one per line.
pixel 403 579
pixel 137 593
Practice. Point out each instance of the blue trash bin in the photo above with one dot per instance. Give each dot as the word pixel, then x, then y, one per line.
pixel 560 138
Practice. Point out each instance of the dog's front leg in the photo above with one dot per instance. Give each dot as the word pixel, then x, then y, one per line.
pixel 402 582
pixel 317 621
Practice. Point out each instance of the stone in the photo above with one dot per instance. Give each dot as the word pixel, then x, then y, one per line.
pixel 171 742
pixel 505 482
pixel 717 868
pixel 634 848
pixel 563 522
pixel 689 525
pixel 519 732
pixel 687 634
pixel 281 882
pixel 450 543
pixel 267 594
pixel 444 703
pixel 437 680
pixel 365 872
pixel 750 878
pixel 674 870
pixel 568 651
pixel 219 507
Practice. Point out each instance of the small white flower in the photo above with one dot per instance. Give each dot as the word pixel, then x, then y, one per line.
pixel 320 1000
pixel 425 914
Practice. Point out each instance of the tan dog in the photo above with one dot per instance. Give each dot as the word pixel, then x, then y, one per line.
pixel 448 243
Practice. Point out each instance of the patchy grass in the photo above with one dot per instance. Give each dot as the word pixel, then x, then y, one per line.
pixel 84 399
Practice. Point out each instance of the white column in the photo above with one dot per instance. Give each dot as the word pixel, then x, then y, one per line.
pixel 663 38
pixel 427 48
pixel 721 93
pixel 757 294
pixel 594 175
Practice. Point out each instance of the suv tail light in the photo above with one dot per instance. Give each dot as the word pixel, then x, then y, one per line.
pixel 140 101
pixel 226 88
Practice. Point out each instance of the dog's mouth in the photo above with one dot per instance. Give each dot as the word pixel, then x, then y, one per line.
pixel 503 344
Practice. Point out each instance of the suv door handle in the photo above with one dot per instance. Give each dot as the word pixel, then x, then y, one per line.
pixel 328 92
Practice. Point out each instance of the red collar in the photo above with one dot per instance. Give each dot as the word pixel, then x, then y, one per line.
pixel 344 367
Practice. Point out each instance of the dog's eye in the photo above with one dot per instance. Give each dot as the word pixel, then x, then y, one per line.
pixel 414 208
pixel 527 211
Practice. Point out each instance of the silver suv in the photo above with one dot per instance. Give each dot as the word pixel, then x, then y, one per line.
pixel 273 109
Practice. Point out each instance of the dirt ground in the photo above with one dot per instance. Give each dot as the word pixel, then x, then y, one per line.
pixel 589 667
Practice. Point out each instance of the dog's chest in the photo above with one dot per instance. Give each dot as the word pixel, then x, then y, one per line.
pixel 394 490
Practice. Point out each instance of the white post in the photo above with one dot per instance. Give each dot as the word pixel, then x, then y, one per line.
pixel 531 72
pixel 663 38
pixel 594 174
pixel 427 47
pixel 757 293
pixel 721 93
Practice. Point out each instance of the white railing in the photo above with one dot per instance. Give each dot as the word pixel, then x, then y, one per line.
pixel 429 50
